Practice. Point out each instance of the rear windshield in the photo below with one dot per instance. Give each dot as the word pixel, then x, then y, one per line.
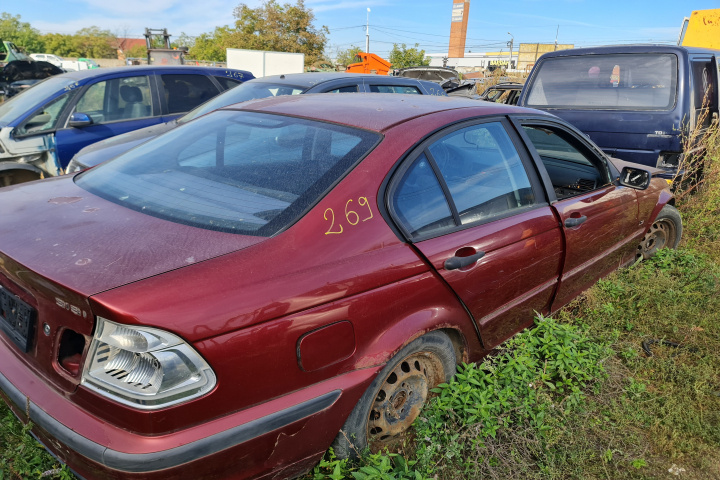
pixel 606 82
pixel 241 93
pixel 232 171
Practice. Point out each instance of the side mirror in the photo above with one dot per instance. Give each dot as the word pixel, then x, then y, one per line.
pixel 79 119
pixel 635 178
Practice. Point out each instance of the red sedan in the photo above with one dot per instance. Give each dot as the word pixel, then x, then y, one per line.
pixel 223 300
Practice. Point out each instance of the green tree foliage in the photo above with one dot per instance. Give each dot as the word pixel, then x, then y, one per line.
pixel 93 42
pixel 211 46
pixel 346 57
pixel 271 26
pixel 402 57
pixel 90 42
pixel 20 33
pixel 138 51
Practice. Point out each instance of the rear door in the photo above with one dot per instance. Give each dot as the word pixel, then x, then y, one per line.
pixel 472 204
pixel 599 218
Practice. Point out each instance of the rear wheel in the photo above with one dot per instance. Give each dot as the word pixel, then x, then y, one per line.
pixel 394 400
pixel 665 232
pixel 13 177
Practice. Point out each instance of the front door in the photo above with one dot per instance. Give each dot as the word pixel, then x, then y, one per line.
pixel 599 219
pixel 116 106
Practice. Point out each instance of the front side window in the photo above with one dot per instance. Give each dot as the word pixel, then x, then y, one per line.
pixel 394 89
pixel 185 92
pixel 45 119
pixel 572 168
pixel 117 99
pixel 605 82
pixel 346 89
pixel 233 171
pixel 479 168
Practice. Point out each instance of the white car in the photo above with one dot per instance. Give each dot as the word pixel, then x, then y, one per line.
pixel 47 57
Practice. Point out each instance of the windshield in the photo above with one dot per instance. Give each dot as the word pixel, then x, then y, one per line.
pixel 606 82
pixel 241 93
pixel 29 101
pixel 233 171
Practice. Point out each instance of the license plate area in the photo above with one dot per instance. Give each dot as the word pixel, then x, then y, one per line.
pixel 17 319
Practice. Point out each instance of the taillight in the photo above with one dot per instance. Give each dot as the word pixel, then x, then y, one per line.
pixel 144 367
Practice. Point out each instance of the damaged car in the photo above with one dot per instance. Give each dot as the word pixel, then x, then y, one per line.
pixel 233 297
pixel 43 128
pixel 448 78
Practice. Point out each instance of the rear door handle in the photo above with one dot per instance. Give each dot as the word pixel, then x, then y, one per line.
pixel 575 221
pixel 453 263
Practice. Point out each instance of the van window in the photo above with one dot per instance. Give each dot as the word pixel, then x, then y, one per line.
pixel 606 82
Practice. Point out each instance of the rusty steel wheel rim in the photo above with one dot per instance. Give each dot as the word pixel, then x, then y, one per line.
pixel 401 397
pixel 662 233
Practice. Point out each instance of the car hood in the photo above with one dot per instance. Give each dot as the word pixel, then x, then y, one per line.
pixel 97 153
pixel 90 245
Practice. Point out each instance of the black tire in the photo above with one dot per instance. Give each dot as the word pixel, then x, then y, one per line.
pixel 394 399
pixel 665 231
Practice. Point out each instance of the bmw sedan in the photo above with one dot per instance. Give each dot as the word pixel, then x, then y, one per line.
pixel 233 297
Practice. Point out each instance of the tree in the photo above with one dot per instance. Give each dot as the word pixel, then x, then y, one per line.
pixel 346 57
pixel 403 57
pixel 20 33
pixel 271 26
pixel 61 45
pixel 92 42
pixel 211 46
pixel 138 51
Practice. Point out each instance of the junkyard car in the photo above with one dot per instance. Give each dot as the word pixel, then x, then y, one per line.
pixel 282 270
pixel 43 128
pixel 292 84
pixel 507 92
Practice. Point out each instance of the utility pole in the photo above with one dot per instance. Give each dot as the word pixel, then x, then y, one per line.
pixel 367 32
pixel 556 35
pixel 510 44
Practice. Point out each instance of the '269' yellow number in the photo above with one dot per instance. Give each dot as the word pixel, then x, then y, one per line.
pixel 351 216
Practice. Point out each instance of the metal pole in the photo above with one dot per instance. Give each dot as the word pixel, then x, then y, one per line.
pixel 510 43
pixel 367 32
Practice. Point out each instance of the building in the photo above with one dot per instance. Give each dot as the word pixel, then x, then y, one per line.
pixel 458 28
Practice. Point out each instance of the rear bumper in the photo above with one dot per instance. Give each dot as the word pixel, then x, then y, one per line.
pixel 241 445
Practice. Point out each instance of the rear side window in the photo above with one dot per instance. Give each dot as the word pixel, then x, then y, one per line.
pixel 185 92
pixel 233 171
pixel 605 82
pixel 479 168
pixel 394 89
pixel 228 83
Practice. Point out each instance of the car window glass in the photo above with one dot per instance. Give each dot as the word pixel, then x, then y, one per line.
pixel 228 83
pixel 572 169
pixel 185 92
pixel 234 171
pixel 483 172
pixel 116 100
pixel 419 202
pixel 704 91
pixel 613 82
pixel 394 89
pixel 45 119
pixel 346 89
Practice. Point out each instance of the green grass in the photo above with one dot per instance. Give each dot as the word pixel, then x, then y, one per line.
pixel 574 397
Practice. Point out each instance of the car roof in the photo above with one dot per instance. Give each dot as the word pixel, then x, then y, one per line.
pixel 96 72
pixel 372 111
pixel 641 48
pixel 310 79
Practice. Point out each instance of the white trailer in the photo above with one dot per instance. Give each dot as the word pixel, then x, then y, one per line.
pixel 261 63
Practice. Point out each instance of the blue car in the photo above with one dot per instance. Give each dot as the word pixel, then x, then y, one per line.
pixel 41 129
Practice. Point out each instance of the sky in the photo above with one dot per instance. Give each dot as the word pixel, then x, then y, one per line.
pixel 491 23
